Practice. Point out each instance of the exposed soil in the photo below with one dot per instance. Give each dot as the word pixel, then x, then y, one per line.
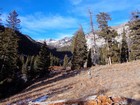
pixel 111 80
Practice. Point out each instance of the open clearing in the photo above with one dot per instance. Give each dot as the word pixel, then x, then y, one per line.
pixel 112 80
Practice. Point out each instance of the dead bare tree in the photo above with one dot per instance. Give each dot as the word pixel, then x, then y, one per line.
pixel 94 46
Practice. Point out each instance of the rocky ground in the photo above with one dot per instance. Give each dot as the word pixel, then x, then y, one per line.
pixel 122 80
pixel 92 100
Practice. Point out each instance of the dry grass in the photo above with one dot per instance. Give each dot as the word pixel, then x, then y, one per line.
pixel 117 79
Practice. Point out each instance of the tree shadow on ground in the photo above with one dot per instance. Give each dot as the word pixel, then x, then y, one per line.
pixel 132 101
pixel 52 92
pixel 57 77
pixel 43 84
pixel 135 102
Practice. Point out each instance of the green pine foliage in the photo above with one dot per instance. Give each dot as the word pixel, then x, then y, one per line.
pixel 8 53
pixel 20 61
pixel 102 19
pixel 25 66
pixel 89 60
pixel 114 52
pixel 124 48
pixel 108 35
pixel 35 65
pixel 65 61
pixel 54 61
pixel 79 50
pixel 134 26
pixel 103 55
pixel 32 72
pixel 8 48
pixel 13 21
pixel 43 60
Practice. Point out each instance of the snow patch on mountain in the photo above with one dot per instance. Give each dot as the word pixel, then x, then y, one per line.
pixel 66 41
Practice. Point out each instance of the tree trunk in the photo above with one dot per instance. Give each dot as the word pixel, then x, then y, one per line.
pixel 109 58
pixel 109 61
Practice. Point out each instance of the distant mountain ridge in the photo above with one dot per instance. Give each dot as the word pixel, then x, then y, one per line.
pixel 30 47
pixel 66 41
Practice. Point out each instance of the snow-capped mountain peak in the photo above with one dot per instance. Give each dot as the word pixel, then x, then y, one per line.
pixel 66 41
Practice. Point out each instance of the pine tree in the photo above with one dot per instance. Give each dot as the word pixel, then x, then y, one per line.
pixel 20 62
pixel 124 48
pixel 65 61
pixel 35 65
pixel 8 53
pixel 13 21
pixel 107 33
pixel 8 48
pixel 51 60
pixel 89 60
pixel 114 52
pixel 102 19
pixel 32 70
pixel 43 60
pixel 54 61
pixel 134 26
pixel 25 69
pixel 79 50
pixel 25 66
pixel 103 55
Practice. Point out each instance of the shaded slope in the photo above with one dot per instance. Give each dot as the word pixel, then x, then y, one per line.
pixel 29 47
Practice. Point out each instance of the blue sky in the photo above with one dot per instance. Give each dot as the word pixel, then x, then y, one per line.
pixel 44 19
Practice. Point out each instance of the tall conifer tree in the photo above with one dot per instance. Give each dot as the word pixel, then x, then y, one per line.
pixel 43 60
pixel 79 50
pixel 13 21
pixel 114 50
pixel 9 53
pixel 65 61
pixel 8 48
pixel 108 34
pixel 134 26
pixel 102 19
pixel 124 48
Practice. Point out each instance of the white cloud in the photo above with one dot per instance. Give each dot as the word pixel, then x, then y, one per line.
pixel 45 22
pixel 104 6
pixel 39 24
pixel 76 2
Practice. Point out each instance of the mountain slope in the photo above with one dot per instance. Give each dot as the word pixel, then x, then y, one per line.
pixel 29 47
pixel 117 79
